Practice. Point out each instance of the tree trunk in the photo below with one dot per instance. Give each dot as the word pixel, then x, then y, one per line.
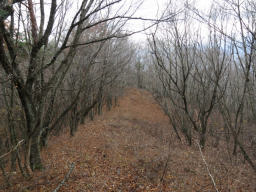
pixel 246 156
pixel 109 102
pixel 13 142
pixel 6 177
pixel 188 136
pixel 92 114
pixel 27 157
pixel 87 109
pixel 73 127
pixel 100 108
pixel 235 146
pixel 82 120
pixel 202 140
pixel 202 136
pixel 44 138
pixel 35 156
pixel 74 119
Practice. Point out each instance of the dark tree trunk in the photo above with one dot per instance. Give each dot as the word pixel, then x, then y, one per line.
pixel 87 109
pixel 92 114
pixel 74 120
pixel 203 135
pixel 99 108
pixel 44 138
pixel 188 136
pixel 35 156
pixel 109 102
pixel 235 146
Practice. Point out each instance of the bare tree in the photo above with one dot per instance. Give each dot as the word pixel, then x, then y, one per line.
pixel 48 51
pixel 190 74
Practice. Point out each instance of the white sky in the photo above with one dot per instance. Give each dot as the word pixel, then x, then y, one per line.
pixel 151 9
pixel 154 8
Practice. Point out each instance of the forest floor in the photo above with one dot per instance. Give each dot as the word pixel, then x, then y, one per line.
pixel 126 149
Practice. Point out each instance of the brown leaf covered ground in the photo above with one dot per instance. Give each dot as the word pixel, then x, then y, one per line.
pixel 126 150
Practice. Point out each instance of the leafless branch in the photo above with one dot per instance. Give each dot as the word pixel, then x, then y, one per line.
pixel 207 167
pixel 72 166
pixel 13 149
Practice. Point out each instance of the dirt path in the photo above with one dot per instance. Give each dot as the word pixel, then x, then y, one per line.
pixel 123 150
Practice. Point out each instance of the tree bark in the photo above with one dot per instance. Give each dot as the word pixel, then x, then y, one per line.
pixel 35 156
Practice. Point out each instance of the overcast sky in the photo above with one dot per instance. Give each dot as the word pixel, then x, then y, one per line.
pixel 151 9
pixel 154 9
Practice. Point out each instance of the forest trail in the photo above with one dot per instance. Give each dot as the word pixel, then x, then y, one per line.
pixel 125 149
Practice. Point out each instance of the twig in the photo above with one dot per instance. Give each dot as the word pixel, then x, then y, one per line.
pixel 13 149
pixel 214 184
pixel 72 166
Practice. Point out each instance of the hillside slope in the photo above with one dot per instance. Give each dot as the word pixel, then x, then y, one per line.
pixel 126 149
